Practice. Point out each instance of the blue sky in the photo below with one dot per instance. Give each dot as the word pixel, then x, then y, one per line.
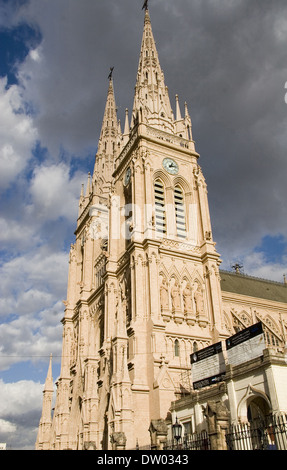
pixel 226 59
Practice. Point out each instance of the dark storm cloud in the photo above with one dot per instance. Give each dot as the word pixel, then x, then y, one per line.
pixel 225 58
pixel 228 58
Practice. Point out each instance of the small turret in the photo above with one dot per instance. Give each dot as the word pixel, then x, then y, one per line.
pixel 45 426
pixel 126 133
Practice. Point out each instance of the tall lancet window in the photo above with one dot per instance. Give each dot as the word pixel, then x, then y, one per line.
pixel 179 212
pixel 176 348
pixel 160 214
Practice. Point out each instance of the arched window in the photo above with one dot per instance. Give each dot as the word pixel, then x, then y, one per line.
pixel 160 215
pixel 179 212
pixel 176 348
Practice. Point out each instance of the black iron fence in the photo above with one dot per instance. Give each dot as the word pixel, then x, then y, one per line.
pixel 197 441
pixel 269 433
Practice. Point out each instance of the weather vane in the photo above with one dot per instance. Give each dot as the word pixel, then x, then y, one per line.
pixel 111 73
pixel 145 5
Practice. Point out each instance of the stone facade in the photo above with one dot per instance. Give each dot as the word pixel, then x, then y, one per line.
pixel 144 287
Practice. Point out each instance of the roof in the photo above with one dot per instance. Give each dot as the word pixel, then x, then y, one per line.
pixel 253 287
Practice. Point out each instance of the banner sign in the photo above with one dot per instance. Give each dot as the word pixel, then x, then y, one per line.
pixel 207 366
pixel 245 345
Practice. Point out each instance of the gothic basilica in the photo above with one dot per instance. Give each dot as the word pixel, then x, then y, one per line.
pixel 144 288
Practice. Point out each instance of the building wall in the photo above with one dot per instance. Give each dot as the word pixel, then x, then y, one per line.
pixel 259 383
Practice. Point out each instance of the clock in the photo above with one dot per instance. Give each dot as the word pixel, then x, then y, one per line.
pixel 170 166
pixel 127 176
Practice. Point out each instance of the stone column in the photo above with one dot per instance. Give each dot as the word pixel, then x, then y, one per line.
pixel 158 434
pixel 118 441
pixel 217 417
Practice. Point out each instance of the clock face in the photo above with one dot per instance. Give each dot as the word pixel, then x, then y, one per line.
pixel 170 166
pixel 127 176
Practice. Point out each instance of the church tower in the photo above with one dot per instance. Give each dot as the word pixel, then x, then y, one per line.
pixel 143 288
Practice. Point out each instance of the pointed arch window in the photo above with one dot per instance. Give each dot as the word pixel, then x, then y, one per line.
pixel 179 212
pixel 176 348
pixel 160 213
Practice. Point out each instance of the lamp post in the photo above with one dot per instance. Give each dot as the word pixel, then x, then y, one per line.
pixel 176 431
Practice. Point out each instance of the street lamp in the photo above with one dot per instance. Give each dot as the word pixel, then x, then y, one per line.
pixel 176 430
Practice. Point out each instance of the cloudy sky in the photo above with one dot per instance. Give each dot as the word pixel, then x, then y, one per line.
pixel 226 58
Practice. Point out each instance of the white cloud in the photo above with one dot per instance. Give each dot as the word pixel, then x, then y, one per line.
pixel 14 232
pixel 20 411
pixel 7 427
pixel 19 396
pixel 32 282
pixel 36 54
pixel 255 264
pixel 54 193
pixel 32 338
pixel 17 134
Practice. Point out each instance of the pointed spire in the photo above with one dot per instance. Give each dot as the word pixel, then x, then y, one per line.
pixel 110 123
pixel 119 127
pixel 151 100
pixel 188 123
pixel 127 127
pixel 49 378
pixel 109 142
pixel 178 113
pixel 88 190
pixel 126 133
pixel 45 425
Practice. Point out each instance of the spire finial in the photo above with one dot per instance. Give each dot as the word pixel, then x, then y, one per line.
pixel 145 5
pixel 111 73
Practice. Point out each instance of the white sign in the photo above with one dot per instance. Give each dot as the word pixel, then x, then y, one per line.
pixel 207 366
pixel 245 345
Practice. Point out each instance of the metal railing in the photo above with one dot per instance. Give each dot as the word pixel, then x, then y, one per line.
pixel 269 433
pixel 196 441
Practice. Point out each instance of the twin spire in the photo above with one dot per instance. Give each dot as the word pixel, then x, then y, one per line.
pixel 151 99
pixel 151 106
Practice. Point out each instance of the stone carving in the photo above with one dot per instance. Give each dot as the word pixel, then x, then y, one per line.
pixel 198 299
pixel 164 295
pixel 187 302
pixel 158 433
pixel 175 296
pixel 118 440
pixel 187 298
pixel 123 292
pixel 217 416
pixel 90 445
pixel 125 297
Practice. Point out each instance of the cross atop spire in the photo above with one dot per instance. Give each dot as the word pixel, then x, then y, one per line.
pixel 145 5
pixel 111 73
